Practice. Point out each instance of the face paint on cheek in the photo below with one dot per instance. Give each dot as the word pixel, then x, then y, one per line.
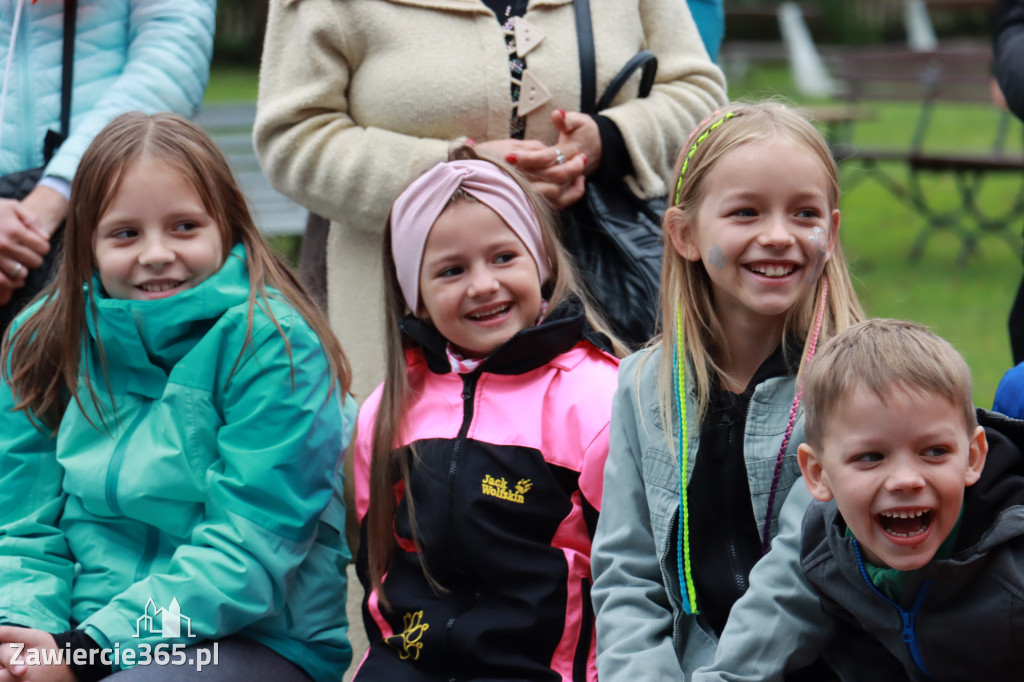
pixel 818 246
pixel 717 257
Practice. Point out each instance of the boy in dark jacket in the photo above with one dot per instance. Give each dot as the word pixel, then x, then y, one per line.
pixel 915 548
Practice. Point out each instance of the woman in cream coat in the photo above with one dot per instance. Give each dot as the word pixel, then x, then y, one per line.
pixel 357 96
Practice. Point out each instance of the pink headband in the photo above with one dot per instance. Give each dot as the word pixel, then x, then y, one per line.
pixel 417 208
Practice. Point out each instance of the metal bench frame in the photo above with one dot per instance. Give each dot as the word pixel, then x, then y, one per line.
pixel 957 74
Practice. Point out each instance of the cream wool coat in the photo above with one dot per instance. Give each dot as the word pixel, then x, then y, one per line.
pixel 358 96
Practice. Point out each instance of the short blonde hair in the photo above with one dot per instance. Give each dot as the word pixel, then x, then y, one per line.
pixel 880 355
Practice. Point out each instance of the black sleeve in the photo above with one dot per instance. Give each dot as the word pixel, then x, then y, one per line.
pixel 1008 49
pixel 93 668
pixel 615 161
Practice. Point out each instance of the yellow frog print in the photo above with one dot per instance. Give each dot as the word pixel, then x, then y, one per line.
pixel 407 643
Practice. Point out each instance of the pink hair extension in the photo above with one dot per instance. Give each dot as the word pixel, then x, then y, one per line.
pixel 812 345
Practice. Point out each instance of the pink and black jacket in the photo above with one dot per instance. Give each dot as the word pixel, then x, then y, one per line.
pixel 507 485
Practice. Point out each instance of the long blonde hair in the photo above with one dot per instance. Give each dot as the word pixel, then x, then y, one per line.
pixel 685 285
pixel 396 398
pixel 42 356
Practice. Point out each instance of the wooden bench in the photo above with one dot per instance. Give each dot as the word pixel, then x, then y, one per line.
pixel 950 81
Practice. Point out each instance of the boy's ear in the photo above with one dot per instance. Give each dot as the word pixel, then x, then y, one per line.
pixel 681 234
pixel 814 474
pixel 977 450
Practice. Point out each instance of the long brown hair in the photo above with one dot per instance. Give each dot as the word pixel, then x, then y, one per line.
pixel 396 398
pixel 42 356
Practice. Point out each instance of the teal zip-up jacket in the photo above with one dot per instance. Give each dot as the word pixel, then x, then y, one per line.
pixel 643 632
pixel 218 484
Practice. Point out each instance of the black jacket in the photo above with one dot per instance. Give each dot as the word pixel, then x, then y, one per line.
pixel 506 482
pixel 960 618
pixel 1008 49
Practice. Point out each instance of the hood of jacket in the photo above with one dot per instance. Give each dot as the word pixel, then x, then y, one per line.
pixel 142 340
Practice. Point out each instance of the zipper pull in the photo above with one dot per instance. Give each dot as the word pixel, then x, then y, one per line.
pixel 908 626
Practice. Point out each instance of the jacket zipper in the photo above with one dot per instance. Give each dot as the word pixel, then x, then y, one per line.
pixel 468 391
pixel 148 554
pixel 737 572
pixel 738 576
pixel 674 596
pixel 25 75
pixel 909 618
pixel 110 486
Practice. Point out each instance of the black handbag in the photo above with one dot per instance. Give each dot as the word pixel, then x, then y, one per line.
pixel 614 236
pixel 18 185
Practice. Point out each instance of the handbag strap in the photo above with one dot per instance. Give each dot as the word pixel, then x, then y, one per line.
pixel 68 67
pixel 54 140
pixel 588 70
pixel 645 59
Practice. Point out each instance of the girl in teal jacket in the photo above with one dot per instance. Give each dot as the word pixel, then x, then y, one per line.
pixel 172 417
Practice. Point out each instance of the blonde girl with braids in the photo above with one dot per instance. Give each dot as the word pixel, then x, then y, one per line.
pixel 478 462
pixel 173 411
pixel 707 420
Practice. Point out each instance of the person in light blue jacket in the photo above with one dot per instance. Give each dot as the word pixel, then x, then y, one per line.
pixel 130 55
pixel 172 422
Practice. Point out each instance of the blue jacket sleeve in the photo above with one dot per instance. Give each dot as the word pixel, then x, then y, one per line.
pixel 36 569
pixel 279 451
pixel 779 625
pixel 634 615
pixel 1009 398
pixel 169 45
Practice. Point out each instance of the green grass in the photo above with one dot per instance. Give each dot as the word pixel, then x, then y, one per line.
pixel 966 305
pixel 231 84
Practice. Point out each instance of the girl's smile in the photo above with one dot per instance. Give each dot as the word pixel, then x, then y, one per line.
pixel 156 238
pixel 478 283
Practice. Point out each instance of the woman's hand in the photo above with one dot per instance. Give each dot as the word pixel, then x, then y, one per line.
pixel 22 246
pixel 578 134
pixel 48 206
pixel 23 645
pixel 554 173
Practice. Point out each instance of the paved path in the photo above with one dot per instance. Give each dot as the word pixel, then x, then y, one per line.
pixel 230 125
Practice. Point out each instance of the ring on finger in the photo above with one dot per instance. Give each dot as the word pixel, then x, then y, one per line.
pixel 559 156
pixel 18 267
